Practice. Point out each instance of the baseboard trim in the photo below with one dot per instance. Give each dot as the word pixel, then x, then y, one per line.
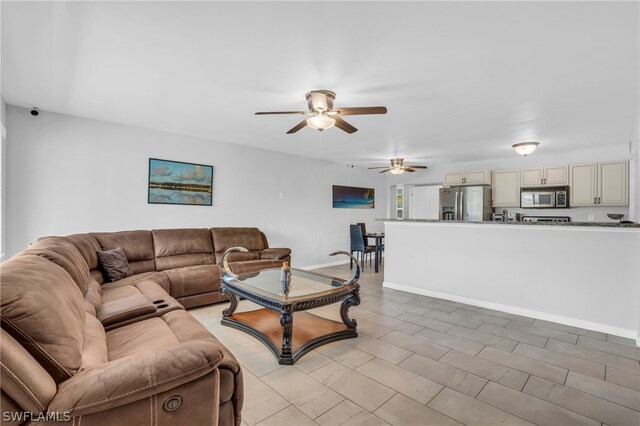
pixel 560 319
pixel 323 265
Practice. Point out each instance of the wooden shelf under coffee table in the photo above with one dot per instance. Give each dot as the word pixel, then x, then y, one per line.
pixel 282 324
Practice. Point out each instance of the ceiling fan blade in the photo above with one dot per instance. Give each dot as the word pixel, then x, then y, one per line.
pixel 298 126
pixel 385 171
pixel 343 125
pixel 418 167
pixel 360 110
pixel 282 112
pixel 408 169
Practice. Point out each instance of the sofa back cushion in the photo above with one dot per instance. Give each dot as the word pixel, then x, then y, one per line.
pixel 137 245
pixel 250 238
pixel 88 247
pixel 177 248
pixel 64 254
pixel 42 308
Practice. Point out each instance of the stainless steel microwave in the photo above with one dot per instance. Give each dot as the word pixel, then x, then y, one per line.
pixel 544 198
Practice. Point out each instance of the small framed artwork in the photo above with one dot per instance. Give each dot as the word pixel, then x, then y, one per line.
pixel 352 197
pixel 175 182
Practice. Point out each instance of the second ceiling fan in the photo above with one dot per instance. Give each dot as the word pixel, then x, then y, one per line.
pixel 398 167
pixel 324 116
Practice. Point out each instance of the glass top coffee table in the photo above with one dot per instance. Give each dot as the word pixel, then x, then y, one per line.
pixel 282 324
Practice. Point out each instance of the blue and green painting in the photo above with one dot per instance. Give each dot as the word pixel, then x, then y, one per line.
pixel 351 197
pixel 174 182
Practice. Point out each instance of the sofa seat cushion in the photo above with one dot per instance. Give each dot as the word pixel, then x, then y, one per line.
pixel 256 265
pixel 156 334
pixel 193 280
pixel 160 278
pixel 147 288
pixel 147 336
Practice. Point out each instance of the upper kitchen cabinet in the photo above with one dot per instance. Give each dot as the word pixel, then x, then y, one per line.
pixel 613 183
pixel 594 184
pixel 473 177
pixel 506 188
pixel 545 176
pixel 453 179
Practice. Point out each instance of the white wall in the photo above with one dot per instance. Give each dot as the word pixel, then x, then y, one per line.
pixel 68 174
pixel 581 276
pixel 435 175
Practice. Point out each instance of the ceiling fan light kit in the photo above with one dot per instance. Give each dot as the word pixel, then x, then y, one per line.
pixel 323 115
pixel 525 148
pixel 321 122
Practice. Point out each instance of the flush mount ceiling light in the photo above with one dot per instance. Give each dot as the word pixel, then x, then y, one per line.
pixel 525 148
pixel 321 122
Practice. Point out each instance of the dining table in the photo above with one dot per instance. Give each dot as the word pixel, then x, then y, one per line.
pixel 379 240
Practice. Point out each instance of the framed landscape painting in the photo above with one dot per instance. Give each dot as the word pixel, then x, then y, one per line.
pixel 175 182
pixel 352 197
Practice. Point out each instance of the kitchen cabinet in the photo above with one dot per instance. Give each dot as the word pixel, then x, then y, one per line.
pixel 506 188
pixel 473 177
pixel 595 184
pixel 545 176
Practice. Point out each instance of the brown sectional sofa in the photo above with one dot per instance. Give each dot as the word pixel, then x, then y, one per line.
pixel 90 352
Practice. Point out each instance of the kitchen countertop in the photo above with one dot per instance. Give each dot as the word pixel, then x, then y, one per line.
pixel 588 224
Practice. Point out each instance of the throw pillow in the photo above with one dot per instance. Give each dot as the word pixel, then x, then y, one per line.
pixel 114 264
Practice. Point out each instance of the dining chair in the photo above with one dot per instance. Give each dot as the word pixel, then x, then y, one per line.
pixel 363 226
pixel 358 245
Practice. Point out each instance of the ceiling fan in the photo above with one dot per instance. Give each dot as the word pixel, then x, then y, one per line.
pixel 323 116
pixel 398 167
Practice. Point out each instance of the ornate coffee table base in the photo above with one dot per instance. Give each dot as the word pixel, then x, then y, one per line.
pixel 284 324
pixel 308 330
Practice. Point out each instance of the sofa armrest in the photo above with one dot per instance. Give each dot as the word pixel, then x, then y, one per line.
pixel 124 309
pixel 136 377
pixel 275 253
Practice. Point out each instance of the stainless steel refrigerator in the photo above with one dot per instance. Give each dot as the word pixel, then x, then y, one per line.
pixel 466 203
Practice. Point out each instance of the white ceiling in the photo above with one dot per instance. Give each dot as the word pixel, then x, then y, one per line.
pixel 462 81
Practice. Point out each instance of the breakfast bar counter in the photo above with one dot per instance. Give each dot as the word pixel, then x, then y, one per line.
pixel 580 274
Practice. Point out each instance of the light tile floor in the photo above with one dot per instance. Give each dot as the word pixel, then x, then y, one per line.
pixel 420 360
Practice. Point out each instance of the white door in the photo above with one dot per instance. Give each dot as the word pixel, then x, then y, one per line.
pixel 425 202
